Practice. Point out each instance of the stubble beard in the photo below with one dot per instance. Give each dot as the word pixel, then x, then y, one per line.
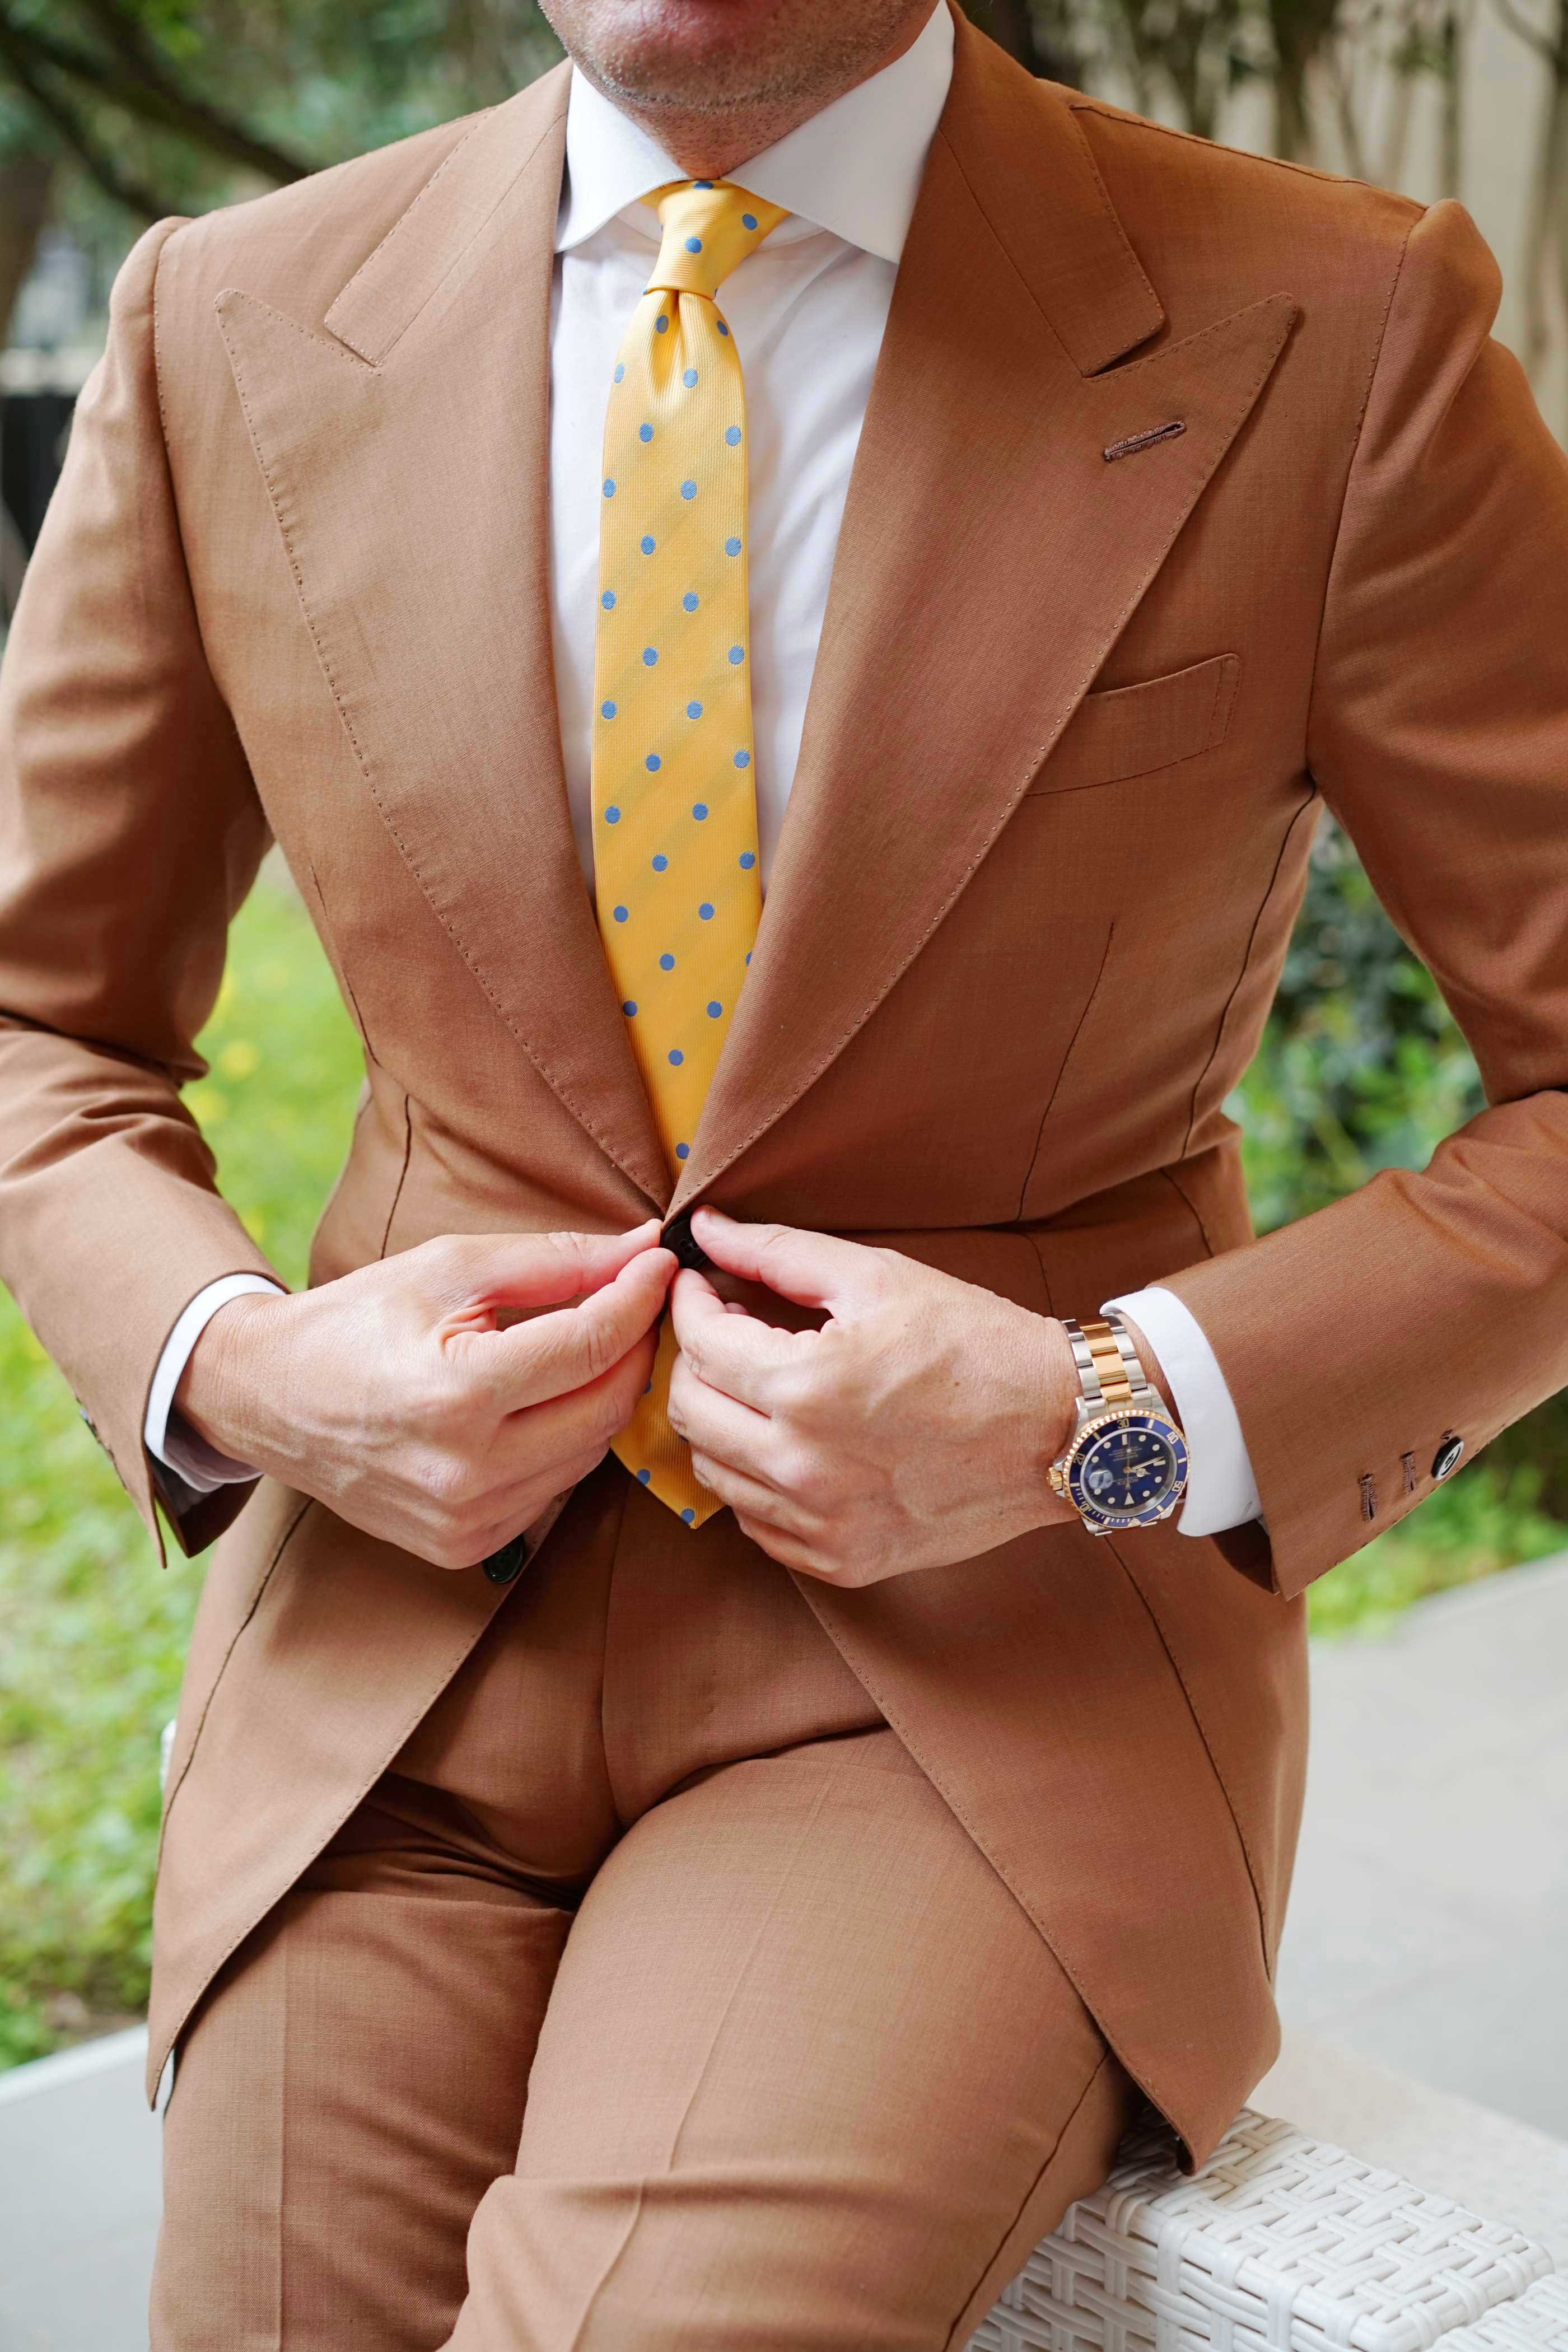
pixel 801 66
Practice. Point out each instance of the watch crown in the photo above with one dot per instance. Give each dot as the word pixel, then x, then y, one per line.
pixel 1058 1483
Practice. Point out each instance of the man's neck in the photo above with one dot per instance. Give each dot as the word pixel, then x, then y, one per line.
pixel 708 144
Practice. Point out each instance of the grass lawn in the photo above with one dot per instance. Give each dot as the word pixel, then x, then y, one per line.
pixel 91 1635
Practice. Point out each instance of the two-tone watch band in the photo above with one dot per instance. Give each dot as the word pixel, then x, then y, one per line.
pixel 1109 1371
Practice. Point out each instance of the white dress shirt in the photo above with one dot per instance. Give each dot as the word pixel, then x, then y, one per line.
pixel 807 310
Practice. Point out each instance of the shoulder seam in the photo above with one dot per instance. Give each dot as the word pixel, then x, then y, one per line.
pixel 173 226
pixel 1086 105
pixel 1360 428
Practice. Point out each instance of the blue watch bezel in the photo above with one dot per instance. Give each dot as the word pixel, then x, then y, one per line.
pixel 1126 1417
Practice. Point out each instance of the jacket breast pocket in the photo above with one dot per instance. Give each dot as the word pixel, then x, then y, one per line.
pixel 1131 730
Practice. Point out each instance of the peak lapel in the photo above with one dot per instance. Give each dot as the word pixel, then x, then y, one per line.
pixel 408 458
pixel 990 556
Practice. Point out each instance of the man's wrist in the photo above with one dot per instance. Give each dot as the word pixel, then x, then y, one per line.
pixel 1059 1392
pixel 216 1391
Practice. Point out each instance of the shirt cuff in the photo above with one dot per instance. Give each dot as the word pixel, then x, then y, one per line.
pixel 1221 1490
pixel 165 1435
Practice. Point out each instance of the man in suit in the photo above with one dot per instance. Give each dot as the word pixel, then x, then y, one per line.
pixel 791 597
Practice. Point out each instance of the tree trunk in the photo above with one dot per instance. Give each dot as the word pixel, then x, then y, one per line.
pixel 1012 26
pixel 1292 117
pixel 1546 228
pixel 24 184
pixel 1451 38
pixel 1557 196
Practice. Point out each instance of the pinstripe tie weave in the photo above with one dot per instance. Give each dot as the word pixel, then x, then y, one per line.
pixel 675 817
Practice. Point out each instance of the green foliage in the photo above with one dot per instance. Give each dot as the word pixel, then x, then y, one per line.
pixel 172 106
pixel 92 1636
pixel 1363 1067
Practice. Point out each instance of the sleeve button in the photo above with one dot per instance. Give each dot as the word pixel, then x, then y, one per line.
pixel 1447 1457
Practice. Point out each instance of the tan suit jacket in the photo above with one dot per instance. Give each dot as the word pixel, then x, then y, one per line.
pixel 1078 694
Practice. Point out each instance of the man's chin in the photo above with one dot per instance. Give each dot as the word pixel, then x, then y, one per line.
pixel 691 57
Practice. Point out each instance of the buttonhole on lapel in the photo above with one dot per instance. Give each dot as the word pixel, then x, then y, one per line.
pixel 1136 441
pixel 1368 1496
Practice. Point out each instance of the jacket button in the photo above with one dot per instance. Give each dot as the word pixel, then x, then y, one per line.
pixel 678 1237
pixel 510 1561
pixel 1447 1457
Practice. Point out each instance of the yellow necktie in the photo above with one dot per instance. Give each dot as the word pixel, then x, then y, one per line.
pixel 675 814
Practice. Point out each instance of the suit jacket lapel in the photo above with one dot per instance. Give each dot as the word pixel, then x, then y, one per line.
pixel 990 556
pixel 408 458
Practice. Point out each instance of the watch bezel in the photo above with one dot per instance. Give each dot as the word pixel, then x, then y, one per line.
pixel 1123 1416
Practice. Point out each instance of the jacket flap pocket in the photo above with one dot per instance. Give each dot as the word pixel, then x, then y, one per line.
pixel 1131 730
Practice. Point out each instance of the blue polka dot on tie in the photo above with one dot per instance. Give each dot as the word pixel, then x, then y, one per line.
pixel 653 763
pixel 609 600
pixel 606 709
pixel 690 600
pixel 612 816
pixel 643 1475
pixel 714 1010
pixel 667 963
pixel 748 955
pixel 705 911
pixel 694 245
pixel 737 654
pixel 748 220
pixel 609 488
pixel 694 710
pixel 723 329
pixel 683 1150
pixel 620 914
pixel 676 1057
pixel 688 489
pixel 748 859
pixel 661 326
pixel 648 542
pixel 628 1007
pixel 645 432
pixel 732 547
pixel 702 183
pixel 620 371
pixel 690 378
pixel 650 657
pixel 690 1515
pixel 700 810
pixel 660 862
pixel 732 435
pixel 743 758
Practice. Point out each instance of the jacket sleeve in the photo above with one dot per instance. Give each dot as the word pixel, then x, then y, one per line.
pixel 1359 1342
pixel 130 833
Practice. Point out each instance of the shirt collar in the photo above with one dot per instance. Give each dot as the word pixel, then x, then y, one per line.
pixel 855 168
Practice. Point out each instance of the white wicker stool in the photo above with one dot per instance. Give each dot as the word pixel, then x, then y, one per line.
pixel 1280 2244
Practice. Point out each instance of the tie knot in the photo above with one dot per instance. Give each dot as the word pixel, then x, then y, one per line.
pixel 708 226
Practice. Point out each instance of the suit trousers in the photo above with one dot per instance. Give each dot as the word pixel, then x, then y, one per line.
pixel 654 1998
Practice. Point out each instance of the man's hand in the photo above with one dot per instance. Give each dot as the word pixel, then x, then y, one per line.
pixel 915 1428
pixel 394 1396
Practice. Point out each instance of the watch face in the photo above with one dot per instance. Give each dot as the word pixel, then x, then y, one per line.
pixel 1128 1469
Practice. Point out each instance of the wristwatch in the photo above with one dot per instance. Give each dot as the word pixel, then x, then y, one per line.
pixel 1126 1463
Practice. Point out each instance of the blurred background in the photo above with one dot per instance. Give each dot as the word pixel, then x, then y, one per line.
pixel 115 112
